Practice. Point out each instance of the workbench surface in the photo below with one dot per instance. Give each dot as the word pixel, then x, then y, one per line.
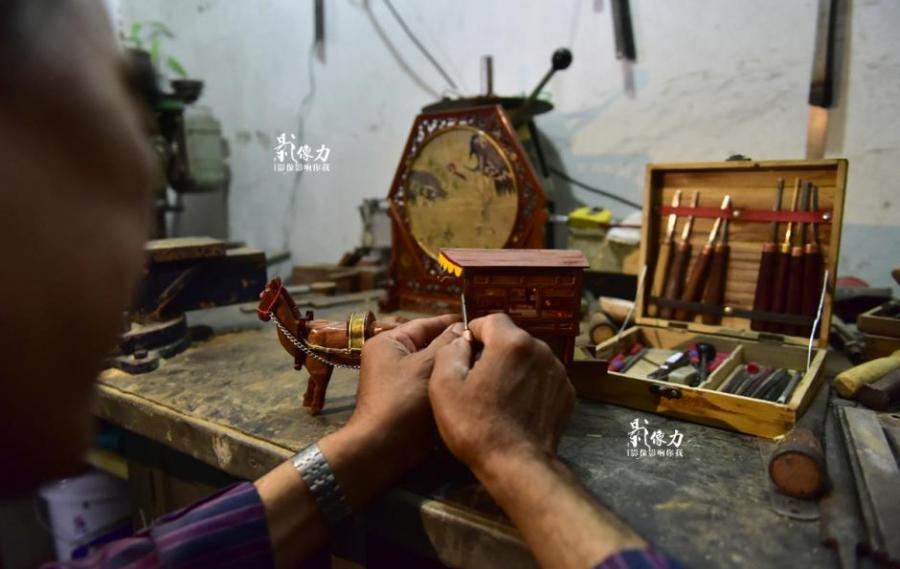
pixel 234 402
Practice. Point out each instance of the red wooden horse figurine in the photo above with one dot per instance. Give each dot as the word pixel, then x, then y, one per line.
pixel 320 345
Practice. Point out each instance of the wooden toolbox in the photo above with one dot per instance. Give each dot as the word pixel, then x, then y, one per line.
pixel 736 325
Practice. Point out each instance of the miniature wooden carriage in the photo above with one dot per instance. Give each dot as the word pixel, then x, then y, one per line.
pixel 540 289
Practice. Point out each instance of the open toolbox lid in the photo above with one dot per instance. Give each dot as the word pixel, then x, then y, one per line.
pixel 752 187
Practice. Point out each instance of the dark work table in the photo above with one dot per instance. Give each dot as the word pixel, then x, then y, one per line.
pixel 233 403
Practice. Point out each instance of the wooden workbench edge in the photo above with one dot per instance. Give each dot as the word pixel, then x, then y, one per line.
pixel 228 449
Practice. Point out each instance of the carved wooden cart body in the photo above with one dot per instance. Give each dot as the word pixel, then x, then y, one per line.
pixel 540 289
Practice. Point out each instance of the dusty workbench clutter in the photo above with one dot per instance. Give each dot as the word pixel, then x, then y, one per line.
pixel 233 402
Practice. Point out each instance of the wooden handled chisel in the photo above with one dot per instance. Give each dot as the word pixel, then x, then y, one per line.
pixel 697 278
pixel 714 293
pixel 762 299
pixel 794 287
pixel 665 255
pixel 812 264
pixel 679 264
pixel 782 260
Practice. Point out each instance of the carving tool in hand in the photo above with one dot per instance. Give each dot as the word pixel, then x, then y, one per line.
pixel 765 282
pixel 665 255
pixel 467 334
pixel 812 262
pixel 680 260
pixel 714 293
pixel 697 278
pixel 779 292
pixel 795 285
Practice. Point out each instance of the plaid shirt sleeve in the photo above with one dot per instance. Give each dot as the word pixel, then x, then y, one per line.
pixel 226 530
pixel 639 559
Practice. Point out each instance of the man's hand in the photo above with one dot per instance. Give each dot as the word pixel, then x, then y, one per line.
pixel 389 432
pixel 392 407
pixel 515 399
pixel 503 416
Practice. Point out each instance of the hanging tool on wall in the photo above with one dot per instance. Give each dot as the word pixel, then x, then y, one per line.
pixel 714 292
pixel 623 31
pixel 319 31
pixel 694 285
pixel 665 255
pixel 795 284
pixel 680 261
pixel 779 296
pixel 821 88
pixel 765 283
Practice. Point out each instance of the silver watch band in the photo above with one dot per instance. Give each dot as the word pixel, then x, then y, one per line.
pixel 315 471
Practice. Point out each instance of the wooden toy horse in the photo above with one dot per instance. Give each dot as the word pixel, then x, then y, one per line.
pixel 320 345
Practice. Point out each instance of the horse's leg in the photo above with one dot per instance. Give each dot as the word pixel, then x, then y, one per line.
pixel 310 382
pixel 319 376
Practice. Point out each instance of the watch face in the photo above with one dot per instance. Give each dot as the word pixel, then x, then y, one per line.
pixel 461 192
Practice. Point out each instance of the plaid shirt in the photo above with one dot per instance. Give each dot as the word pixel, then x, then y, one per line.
pixel 228 529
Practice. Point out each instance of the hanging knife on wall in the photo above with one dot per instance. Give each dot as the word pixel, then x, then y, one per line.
pixel 319 28
pixel 821 88
pixel 621 15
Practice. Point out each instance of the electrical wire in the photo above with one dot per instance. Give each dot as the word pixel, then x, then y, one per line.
pixel 419 44
pixel 583 186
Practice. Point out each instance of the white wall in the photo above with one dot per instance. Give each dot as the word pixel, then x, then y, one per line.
pixel 714 77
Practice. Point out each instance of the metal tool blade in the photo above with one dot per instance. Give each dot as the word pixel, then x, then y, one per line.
pixel 877 480
pixel 841 518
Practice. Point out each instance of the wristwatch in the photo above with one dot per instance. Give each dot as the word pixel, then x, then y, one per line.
pixel 317 474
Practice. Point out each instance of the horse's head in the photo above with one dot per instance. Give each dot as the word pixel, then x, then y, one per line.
pixel 269 299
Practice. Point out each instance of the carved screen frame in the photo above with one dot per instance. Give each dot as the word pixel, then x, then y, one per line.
pixel 417 280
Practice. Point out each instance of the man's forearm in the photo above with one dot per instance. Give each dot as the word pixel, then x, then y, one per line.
pixel 297 528
pixel 561 522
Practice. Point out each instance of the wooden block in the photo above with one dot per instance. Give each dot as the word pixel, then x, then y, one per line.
pixel 183 249
pixel 880 321
pixel 881 395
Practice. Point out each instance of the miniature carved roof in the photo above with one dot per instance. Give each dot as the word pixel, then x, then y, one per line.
pixel 457 260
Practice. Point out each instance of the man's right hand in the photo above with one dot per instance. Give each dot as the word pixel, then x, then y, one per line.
pixel 514 400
